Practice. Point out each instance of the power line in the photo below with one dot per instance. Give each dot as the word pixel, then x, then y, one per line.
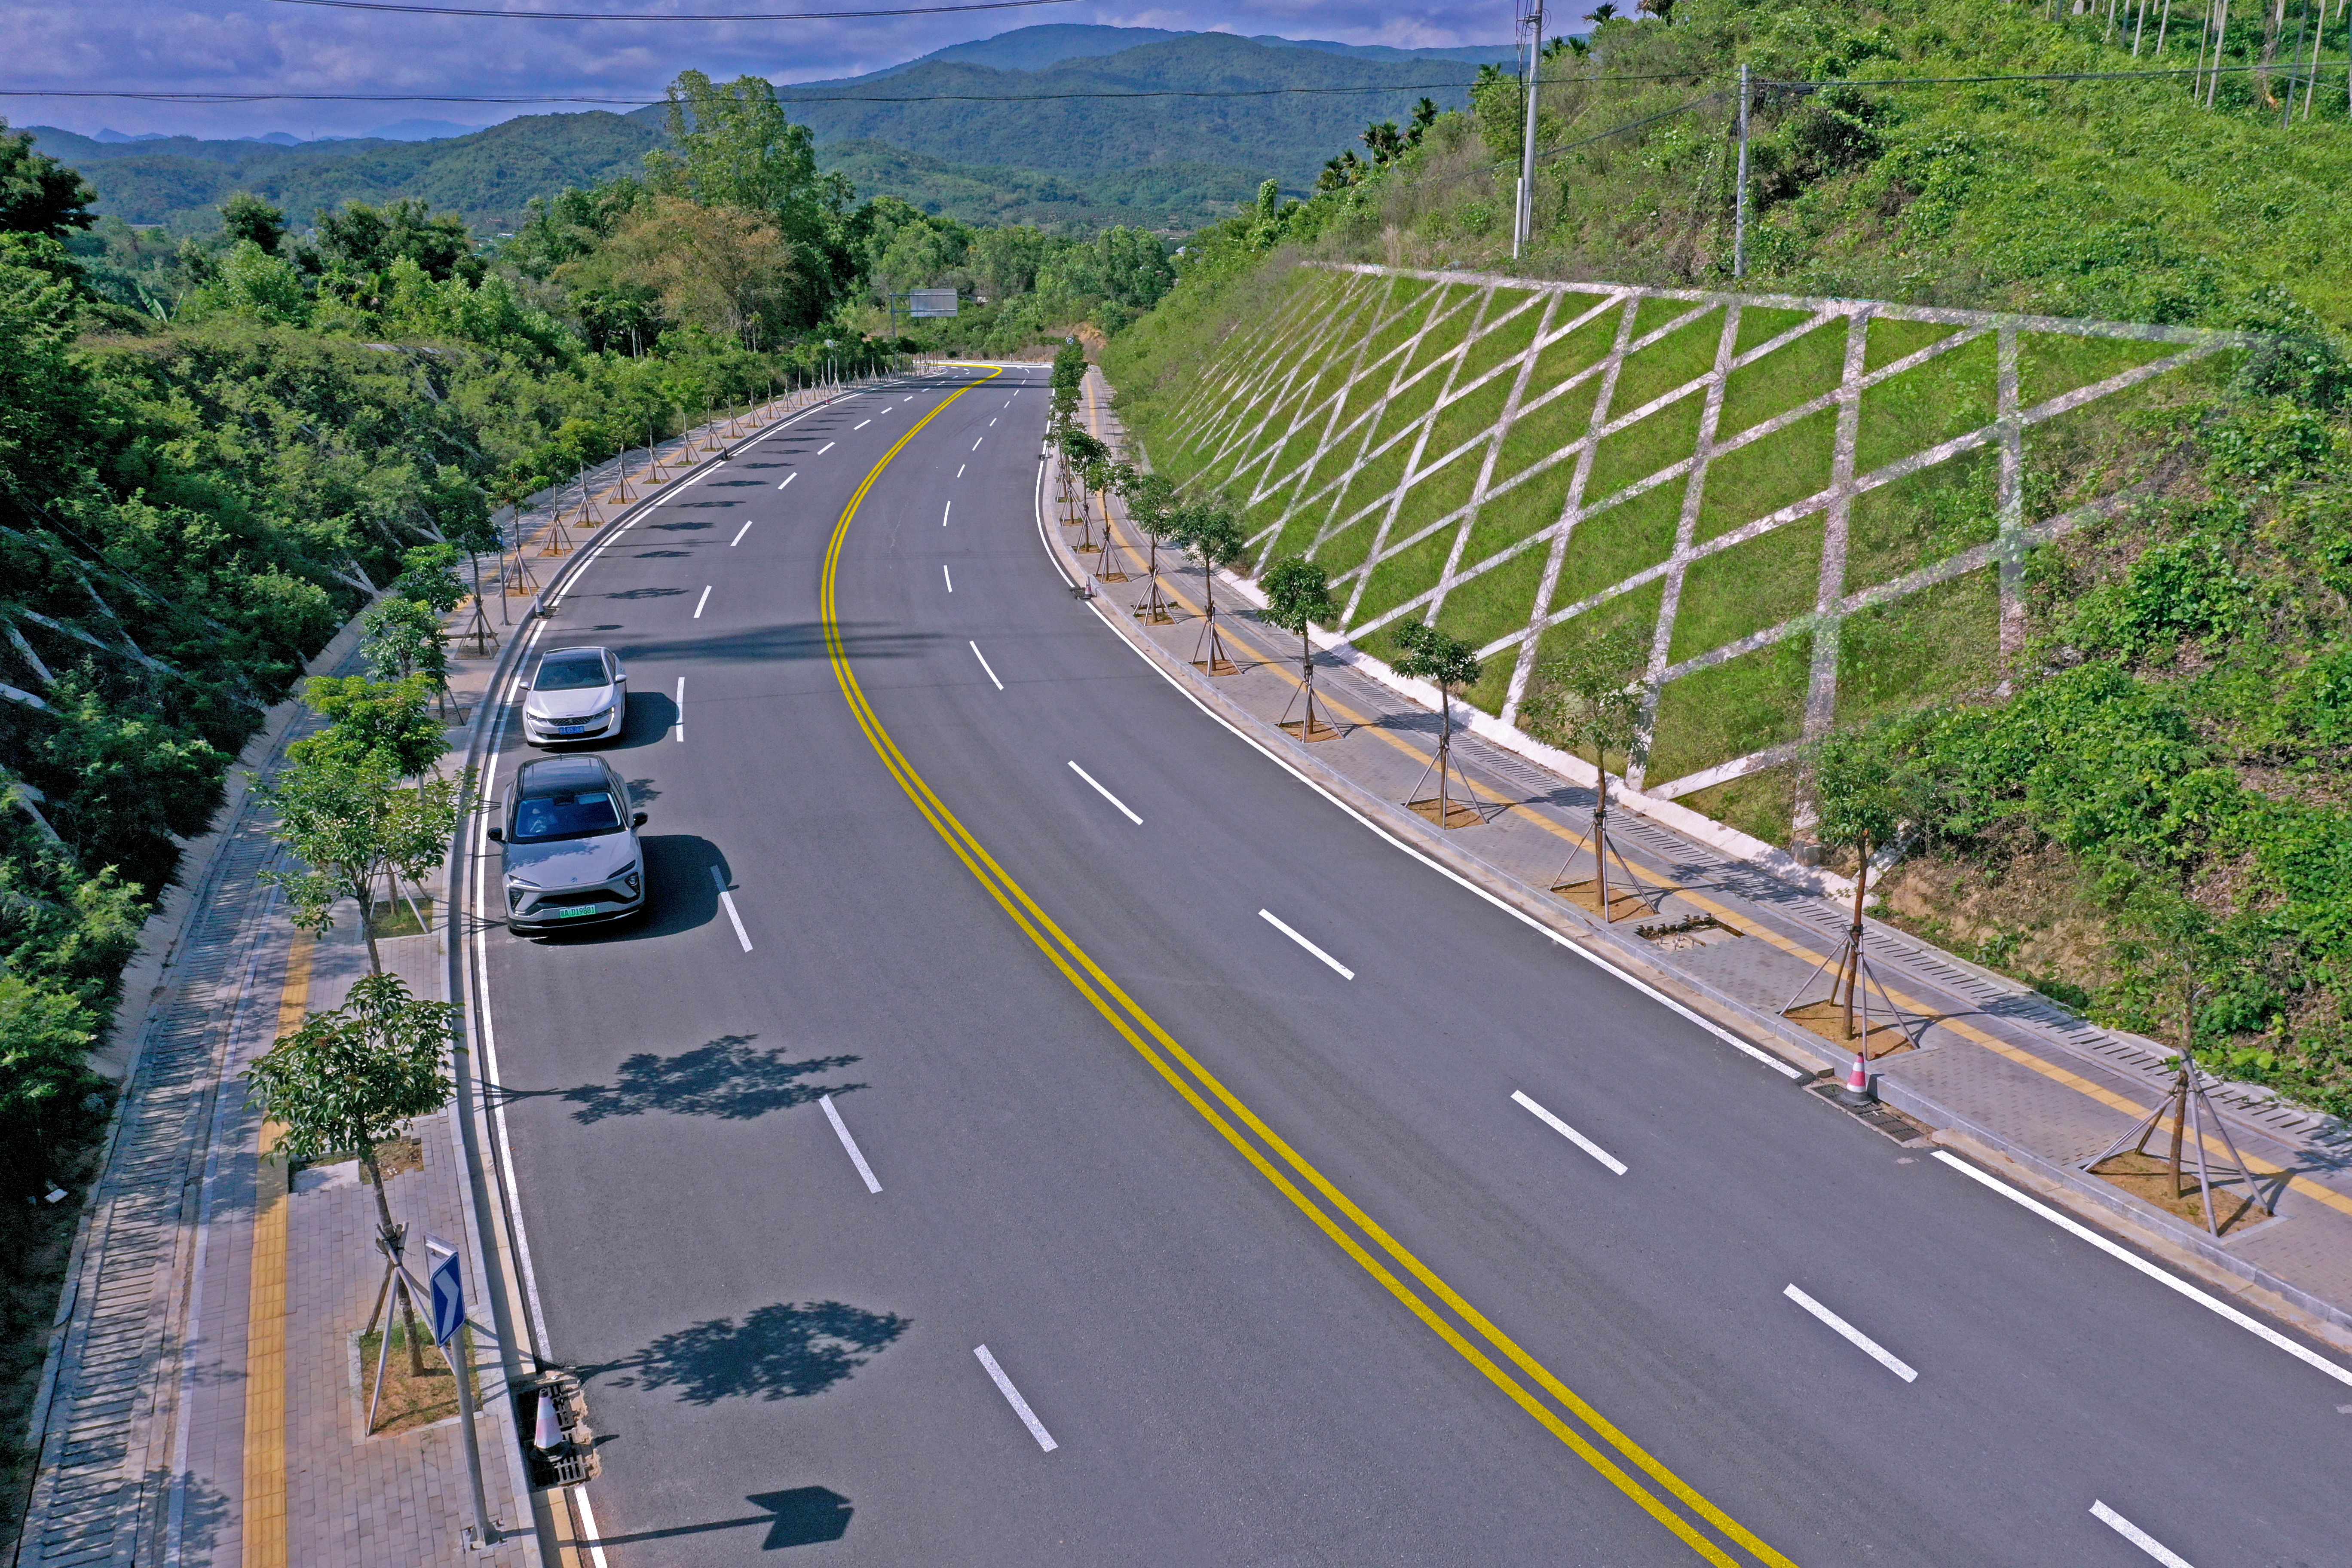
pixel 659 15
pixel 784 95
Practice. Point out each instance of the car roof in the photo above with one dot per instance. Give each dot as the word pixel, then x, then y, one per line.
pixel 561 776
pixel 562 652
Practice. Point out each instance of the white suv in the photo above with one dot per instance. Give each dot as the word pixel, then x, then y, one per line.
pixel 571 855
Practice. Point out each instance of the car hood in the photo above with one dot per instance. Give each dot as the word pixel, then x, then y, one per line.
pixel 572 862
pixel 559 706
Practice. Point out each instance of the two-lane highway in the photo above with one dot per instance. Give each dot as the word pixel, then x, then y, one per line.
pixel 1033 1126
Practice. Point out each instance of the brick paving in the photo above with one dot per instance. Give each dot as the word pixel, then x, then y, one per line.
pixel 1998 1063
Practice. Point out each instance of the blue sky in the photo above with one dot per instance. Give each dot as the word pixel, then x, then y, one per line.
pixel 257 45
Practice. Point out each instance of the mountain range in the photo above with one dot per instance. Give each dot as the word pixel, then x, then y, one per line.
pixel 1101 125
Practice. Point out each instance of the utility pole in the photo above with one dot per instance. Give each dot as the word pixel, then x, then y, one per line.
pixel 1523 222
pixel 1739 202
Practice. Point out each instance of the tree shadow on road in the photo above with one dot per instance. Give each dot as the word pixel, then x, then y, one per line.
pixel 728 1079
pixel 784 1351
pixel 803 1516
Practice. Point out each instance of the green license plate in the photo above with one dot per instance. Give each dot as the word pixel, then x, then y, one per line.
pixel 573 911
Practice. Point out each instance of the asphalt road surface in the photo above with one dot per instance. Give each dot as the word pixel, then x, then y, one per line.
pixel 1213 1224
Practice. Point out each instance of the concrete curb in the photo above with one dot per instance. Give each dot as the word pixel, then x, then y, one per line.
pixel 2141 1223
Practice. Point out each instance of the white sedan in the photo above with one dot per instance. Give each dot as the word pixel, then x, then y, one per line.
pixel 576 694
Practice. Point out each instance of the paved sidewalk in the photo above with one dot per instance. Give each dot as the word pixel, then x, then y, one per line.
pixel 1997 1064
pixel 202 1402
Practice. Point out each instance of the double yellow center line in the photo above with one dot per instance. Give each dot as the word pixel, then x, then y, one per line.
pixel 1479 1342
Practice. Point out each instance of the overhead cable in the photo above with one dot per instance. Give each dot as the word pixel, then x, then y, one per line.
pixel 513 15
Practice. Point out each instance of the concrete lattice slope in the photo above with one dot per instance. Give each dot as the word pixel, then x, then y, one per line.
pixel 1817 509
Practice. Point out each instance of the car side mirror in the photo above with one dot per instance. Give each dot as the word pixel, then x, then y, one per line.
pixel 498 835
pixel 522 686
pixel 638 820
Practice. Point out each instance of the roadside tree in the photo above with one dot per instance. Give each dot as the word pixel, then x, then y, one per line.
pixel 1297 595
pixel 1446 662
pixel 1590 701
pixel 351 822
pixel 1213 534
pixel 350 1080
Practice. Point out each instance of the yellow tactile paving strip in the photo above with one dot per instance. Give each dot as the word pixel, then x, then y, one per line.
pixel 265 1333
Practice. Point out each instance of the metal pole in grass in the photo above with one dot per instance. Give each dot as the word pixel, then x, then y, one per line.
pixel 1523 222
pixel 1739 205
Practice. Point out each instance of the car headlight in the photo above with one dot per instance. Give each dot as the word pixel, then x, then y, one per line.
pixel 630 881
pixel 515 896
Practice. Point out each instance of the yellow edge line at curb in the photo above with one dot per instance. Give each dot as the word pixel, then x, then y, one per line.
pixel 265 1333
pixel 1163 1053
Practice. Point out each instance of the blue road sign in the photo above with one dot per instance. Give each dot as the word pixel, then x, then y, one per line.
pixel 448 1300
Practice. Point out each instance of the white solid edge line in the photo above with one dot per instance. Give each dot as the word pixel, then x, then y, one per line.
pixel 949 576
pixel 1106 795
pixel 741 531
pixel 1013 1397
pixel 983 663
pixel 2211 1303
pixel 2137 1537
pixel 788 478
pixel 588 1525
pixel 1271 919
pixel 481 980
pixel 1572 1134
pixel 1853 1335
pixel 841 1131
pixel 702 601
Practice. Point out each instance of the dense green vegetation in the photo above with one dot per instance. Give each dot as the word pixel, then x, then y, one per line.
pixel 2151 785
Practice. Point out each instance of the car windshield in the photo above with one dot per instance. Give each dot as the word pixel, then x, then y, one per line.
pixel 584 814
pixel 572 672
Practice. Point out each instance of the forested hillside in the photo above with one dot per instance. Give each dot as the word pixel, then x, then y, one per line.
pixel 1169 163
pixel 488 178
pixel 1285 136
pixel 2140 781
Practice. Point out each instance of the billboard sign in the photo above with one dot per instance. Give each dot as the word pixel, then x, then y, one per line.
pixel 922 302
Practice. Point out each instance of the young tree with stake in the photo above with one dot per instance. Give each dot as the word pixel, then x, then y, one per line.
pixel 1297 595
pixel 347 1080
pixel 1213 534
pixel 1589 701
pixel 1152 507
pixel 1446 662
pixel 1860 791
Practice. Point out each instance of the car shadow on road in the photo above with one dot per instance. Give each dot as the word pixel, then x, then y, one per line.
pixel 787 1350
pixel 650 718
pixel 730 1079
